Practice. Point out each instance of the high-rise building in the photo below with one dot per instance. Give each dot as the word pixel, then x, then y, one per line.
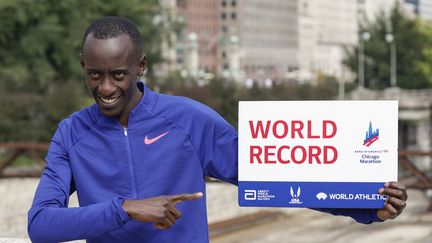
pixel 325 29
pixel 201 35
pixel 261 34
pixel 420 8
pixel 276 39
pixel 165 20
pixel 370 9
pixel 239 39
pixel 425 9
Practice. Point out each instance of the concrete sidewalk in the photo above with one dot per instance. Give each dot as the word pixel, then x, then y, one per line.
pixel 304 225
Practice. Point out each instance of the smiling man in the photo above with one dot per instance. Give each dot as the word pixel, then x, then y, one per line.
pixel 111 71
pixel 134 157
pixel 138 159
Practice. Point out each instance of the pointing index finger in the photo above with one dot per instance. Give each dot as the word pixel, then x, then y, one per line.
pixel 186 197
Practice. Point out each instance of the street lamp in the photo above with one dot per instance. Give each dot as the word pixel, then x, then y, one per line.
pixel 365 36
pixel 390 39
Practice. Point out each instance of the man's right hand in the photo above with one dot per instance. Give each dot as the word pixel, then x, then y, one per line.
pixel 160 210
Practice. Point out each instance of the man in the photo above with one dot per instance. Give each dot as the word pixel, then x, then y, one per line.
pixel 134 155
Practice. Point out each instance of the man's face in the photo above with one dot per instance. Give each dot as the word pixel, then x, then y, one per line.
pixel 111 68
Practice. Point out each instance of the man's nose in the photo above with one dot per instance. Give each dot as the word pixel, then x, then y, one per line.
pixel 106 87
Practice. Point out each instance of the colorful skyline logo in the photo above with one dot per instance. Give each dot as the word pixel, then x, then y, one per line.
pixel 371 136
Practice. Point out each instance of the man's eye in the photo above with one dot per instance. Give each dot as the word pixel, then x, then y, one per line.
pixel 93 75
pixel 119 75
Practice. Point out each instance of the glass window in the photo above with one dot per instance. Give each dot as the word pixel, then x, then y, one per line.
pixel 181 3
pixel 408 134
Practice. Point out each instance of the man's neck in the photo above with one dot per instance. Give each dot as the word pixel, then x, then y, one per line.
pixel 124 117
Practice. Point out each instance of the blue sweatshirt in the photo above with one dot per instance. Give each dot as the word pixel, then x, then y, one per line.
pixel 106 164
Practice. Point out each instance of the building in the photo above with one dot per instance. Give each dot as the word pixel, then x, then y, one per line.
pixel 262 35
pixel 369 9
pixel 420 8
pixel 325 29
pixel 197 44
pixel 165 20
pixel 238 39
pixel 425 9
pixel 275 39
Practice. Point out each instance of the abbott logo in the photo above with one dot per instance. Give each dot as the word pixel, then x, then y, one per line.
pixel 321 196
pixel 249 194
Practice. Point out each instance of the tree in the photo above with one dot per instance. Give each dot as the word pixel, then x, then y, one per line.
pixel 223 95
pixel 413 40
pixel 41 80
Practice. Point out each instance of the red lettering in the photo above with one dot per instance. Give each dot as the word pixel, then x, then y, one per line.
pixel 284 131
pixel 272 154
pixel 259 129
pixel 303 155
pixel 326 154
pixel 255 152
pixel 309 130
pixel 268 153
pixel 325 131
pixel 279 154
pixel 295 129
pixel 314 152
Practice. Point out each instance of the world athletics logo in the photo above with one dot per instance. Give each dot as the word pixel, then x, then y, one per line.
pixel 371 136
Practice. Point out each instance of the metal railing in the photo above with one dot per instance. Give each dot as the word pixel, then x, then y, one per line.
pixel 421 179
pixel 13 151
pixel 413 177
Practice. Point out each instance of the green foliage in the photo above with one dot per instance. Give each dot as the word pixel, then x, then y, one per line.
pixel 413 40
pixel 41 80
pixel 40 76
pixel 223 95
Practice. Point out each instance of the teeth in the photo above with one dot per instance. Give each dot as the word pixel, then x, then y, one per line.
pixel 109 101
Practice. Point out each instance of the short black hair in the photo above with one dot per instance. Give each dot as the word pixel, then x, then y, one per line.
pixel 113 26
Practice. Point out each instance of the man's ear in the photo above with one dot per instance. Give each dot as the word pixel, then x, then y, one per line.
pixel 81 60
pixel 142 65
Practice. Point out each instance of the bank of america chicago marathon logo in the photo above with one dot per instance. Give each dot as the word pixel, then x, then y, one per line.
pixel 371 136
pixel 371 155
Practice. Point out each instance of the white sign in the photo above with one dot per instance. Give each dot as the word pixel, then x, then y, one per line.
pixel 316 153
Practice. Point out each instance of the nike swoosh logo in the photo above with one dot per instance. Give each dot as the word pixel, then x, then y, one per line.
pixel 149 141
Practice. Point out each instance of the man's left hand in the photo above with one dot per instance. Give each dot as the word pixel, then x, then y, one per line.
pixel 396 201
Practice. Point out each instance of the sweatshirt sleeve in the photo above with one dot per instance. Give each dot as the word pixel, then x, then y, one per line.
pixel 50 219
pixel 216 146
pixel 363 216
